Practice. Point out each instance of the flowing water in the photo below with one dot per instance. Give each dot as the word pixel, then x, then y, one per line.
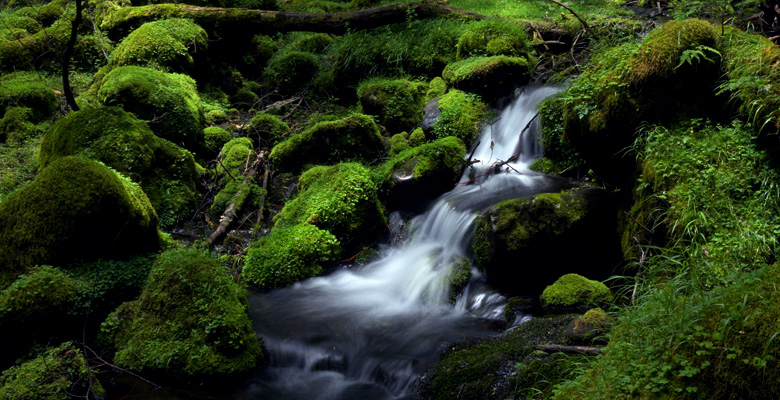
pixel 369 332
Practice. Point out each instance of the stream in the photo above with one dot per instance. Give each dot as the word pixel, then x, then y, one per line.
pixel 370 332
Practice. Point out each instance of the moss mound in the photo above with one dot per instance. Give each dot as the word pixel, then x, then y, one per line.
pixel 489 77
pixel 236 156
pixel 288 255
pixel 169 101
pixel 420 173
pixel 15 126
pixel 340 199
pixel 269 128
pixel 190 318
pixel 214 138
pixel 575 291
pixel 168 45
pixel 39 298
pixel 110 135
pixel 24 89
pixel 352 138
pixel 291 71
pixel 492 37
pixel 460 116
pixel 76 209
pixel 397 103
pixel 59 373
pixel 436 88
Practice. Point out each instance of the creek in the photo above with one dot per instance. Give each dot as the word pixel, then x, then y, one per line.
pixel 370 332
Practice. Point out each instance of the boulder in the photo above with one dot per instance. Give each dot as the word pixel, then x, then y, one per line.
pixel 524 244
pixel 589 328
pixel 573 291
pixel 395 102
pixel 25 89
pixel 460 115
pixel 431 113
pixel 490 77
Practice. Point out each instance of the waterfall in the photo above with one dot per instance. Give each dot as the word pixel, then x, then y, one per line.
pixel 370 332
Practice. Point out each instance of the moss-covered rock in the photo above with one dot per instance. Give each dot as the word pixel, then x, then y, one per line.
pixel 214 138
pixel 190 319
pixel 250 197
pixel 490 77
pixel 560 156
pixel 59 373
pixel 288 255
pixel 76 209
pixel 459 115
pixel 24 89
pixel 421 172
pixel 552 233
pixel 39 298
pixel 397 103
pixel 398 143
pixel 589 328
pixel 575 291
pixel 168 44
pixel 437 87
pixel 291 71
pixel 341 199
pixel 170 102
pixel 167 173
pixel 492 37
pixel 269 128
pixel 15 126
pixel 352 138
pixel 236 156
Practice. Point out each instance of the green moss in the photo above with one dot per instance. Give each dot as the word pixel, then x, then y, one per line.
pixel 15 126
pixel 417 138
pixel 315 43
pixel 250 197
pixel 291 71
pixel 397 103
pixel 352 138
pixel 461 114
pixel 214 138
pixel 263 49
pixel 75 209
pixel 168 45
pixel 190 319
pixel 236 156
pixel 340 199
pixel 572 290
pixel 38 298
pixel 436 88
pixel 59 373
pixel 25 89
pixel 167 173
pixel 288 255
pixel 216 117
pixel 559 153
pixel 269 128
pixel 398 143
pixel 458 277
pixel 169 101
pixel 493 36
pixel 244 99
pixel 489 77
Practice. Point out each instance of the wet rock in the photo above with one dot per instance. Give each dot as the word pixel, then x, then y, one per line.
pixel 430 115
pixel 489 77
pixel 589 328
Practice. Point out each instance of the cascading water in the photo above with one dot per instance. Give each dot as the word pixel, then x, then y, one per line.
pixel 370 332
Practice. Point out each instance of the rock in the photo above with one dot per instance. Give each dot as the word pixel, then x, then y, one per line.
pixel 460 115
pixel 395 102
pixel 524 244
pixel 431 113
pixel 588 328
pixel 25 89
pixel 573 291
pixel 490 77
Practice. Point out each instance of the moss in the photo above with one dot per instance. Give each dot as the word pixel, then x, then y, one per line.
pixel 352 138
pixel 489 77
pixel 25 89
pixel 263 49
pixel 436 88
pixel 214 138
pixel 398 143
pixel 291 71
pixel 190 319
pixel 589 328
pixel 288 255
pixel 340 199
pixel 59 373
pixel 269 128
pixel 167 44
pixel 244 99
pixel 461 114
pixel 167 173
pixel 169 101
pixel 236 155
pixel 75 209
pixel 397 103
pixel 315 43
pixel 417 138
pixel 38 298
pixel 15 126
pixel 560 155
pixel 251 197
pixel 420 172
pixel 458 277
pixel 572 290
pixel 216 117
pixel 493 36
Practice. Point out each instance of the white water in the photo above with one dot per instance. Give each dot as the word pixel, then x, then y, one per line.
pixel 369 332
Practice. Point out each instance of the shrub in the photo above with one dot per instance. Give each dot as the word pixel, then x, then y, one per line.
pixel 288 255
pixel 397 103
pixel 572 290
pixel 190 318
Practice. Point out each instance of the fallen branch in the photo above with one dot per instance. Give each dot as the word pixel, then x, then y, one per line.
pixel 559 348
pixel 582 21
pixel 226 220
pixel 262 198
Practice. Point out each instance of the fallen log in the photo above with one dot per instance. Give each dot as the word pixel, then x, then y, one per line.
pixel 227 218
pixel 559 348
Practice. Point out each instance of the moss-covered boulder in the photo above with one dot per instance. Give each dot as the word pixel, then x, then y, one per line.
pixel 490 77
pixel 589 328
pixel 59 373
pixel 397 103
pixel 352 138
pixel 236 156
pixel 166 172
pixel 291 71
pixel 288 255
pixel 190 319
pixel 168 45
pixel 25 89
pixel 420 173
pixel 575 291
pixel 437 87
pixel 40 297
pixel 493 37
pixel 269 128
pixel 524 244
pixel 459 115
pixel 170 102
pixel 15 125
pixel 341 199
pixel 75 209
pixel 214 138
